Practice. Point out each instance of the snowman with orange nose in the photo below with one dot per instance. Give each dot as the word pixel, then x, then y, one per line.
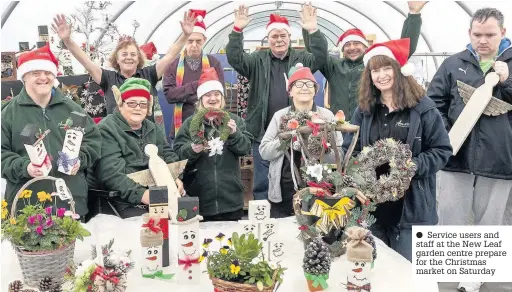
pixel 360 254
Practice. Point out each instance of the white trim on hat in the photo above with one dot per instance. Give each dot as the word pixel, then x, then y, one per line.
pixel 378 51
pixel 352 38
pixel 209 86
pixel 278 25
pixel 199 30
pixel 35 65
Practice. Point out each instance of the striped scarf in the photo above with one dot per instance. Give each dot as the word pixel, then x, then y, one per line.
pixel 178 108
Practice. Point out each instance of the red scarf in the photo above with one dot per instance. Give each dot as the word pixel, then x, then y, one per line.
pixel 46 162
pixel 188 262
pixel 151 226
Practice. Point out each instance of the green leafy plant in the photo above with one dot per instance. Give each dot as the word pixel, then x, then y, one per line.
pixel 38 228
pixel 243 262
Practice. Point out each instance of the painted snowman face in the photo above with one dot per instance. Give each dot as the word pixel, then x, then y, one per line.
pixel 40 151
pixel 159 211
pixel 360 272
pixel 152 258
pixel 188 242
pixel 249 228
pixel 267 231
pixel 277 249
pixel 73 141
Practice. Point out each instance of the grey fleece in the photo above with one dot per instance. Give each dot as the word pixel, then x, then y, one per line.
pixel 270 143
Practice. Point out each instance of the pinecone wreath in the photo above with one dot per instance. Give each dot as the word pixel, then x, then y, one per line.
pixel 45 284
pixel 15 286
pixel 317 259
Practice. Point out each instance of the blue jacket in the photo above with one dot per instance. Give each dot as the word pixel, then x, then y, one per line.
pixel 430 148
pixel 487 150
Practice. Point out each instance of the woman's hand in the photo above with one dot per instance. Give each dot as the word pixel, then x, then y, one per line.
pixel 34 171
pixel 179 185
pixel 232 126
pixel 197 148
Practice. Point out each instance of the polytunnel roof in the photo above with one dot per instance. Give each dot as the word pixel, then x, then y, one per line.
pixel 444 29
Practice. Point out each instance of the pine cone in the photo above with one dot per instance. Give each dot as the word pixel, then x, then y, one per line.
pixel 16 286
pixel 56 288
pixel 317 259
pixel 28 290
pixel 45 283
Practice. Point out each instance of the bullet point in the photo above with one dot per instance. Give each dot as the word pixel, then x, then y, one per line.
pixel 419 235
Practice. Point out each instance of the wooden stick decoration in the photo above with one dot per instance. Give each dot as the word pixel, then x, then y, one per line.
pixel 32 138
pixel 69 156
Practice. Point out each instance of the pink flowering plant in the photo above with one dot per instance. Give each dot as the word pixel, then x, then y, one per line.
pixel 39 227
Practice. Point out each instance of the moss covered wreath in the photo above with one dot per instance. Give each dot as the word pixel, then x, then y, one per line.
pixel 390 186
pixel 217 119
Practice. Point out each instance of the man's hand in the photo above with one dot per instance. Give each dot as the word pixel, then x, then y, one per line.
pixel 501 68
pixel 179 185
pixel 61 27
pixel 75 168
pixel 308 18
pixel 187 25
pixel 232 126
pixel 416 6
pixel 242 17
pixel 197 148
pixel 34 171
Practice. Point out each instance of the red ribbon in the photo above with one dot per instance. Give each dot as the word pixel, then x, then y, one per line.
pixel 46 162
pixel 151 226
pixel 324 143
pixel 188 262
pixel 323 185
pixel 352 287
pixel 315 127
pixel 100 271
pixel 164 225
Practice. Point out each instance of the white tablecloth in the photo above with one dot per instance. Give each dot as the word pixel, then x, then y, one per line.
pixel 391 273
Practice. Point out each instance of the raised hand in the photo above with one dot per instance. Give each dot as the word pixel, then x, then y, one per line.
pixel 308 18
pixel 61 27
pixel 242 17
pixel 187 25
pixel 416 6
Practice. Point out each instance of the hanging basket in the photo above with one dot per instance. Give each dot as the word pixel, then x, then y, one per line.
pixel 47 263
pixel 225 286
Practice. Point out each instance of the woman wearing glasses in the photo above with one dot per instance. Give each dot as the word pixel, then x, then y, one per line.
pixel 302 89
pixel 125 133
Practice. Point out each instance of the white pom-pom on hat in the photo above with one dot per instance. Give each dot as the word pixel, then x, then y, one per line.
pixel 408 69
pixel 199 18
pixel 299 65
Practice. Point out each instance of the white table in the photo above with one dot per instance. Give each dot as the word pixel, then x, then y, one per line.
pixel 391 269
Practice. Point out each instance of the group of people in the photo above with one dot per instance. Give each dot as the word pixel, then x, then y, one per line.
pixel 371 84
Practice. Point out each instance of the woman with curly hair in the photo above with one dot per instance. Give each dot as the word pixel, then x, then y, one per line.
pixel 393 105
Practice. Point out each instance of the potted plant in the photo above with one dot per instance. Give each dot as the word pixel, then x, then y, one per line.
pixel 240 266
pixel 42 235
pixel 317 264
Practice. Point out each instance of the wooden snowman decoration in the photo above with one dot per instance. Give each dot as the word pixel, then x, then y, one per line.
pixel 360 254
pixel 75 130
pixel 189 243
pixel 33 139
pixel 163 177
pixel 151 240
pixel 158 209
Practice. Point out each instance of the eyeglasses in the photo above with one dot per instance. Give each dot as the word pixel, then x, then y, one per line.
pixel 300 84
pixel 134 104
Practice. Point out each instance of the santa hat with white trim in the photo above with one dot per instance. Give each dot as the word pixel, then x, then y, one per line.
pixel 41 59
pixel 278 22
pixel 199 26
pixel 397 50
pixel 209 81
pixel 352 35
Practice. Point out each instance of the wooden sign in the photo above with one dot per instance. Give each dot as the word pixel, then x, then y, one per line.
pixel 74 128
pixel 144 177
pixel 162 177
pixel 34 145
pixel 189 249
pixel 472 112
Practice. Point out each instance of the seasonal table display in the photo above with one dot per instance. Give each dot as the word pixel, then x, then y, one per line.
pixel 361 254
pixel 215 135
pixel 42 235
pixel 317 264
pixel 106 271
pixel 239 265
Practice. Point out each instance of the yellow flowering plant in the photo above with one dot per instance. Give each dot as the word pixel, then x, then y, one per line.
pixel 241 261
pixel 41 227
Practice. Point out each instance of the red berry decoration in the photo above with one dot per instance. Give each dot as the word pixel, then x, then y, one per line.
pixel 356 162
pixel 180 219
pixel 195 208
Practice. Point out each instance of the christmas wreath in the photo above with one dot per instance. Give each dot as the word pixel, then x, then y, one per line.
pixel 214 139
pixel 390 186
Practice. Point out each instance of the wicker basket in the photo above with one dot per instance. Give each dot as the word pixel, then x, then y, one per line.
pixel 40 264
pixel 226 286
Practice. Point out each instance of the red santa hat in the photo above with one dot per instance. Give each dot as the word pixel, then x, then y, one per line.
pixel 209 81
pixel 397 50
pixel 352 35
pixel 149 50
pixel 277 22
pixel 41 59
pixel 199 27
pixel 299 72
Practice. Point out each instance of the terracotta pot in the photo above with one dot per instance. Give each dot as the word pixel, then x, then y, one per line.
pixel 312 289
